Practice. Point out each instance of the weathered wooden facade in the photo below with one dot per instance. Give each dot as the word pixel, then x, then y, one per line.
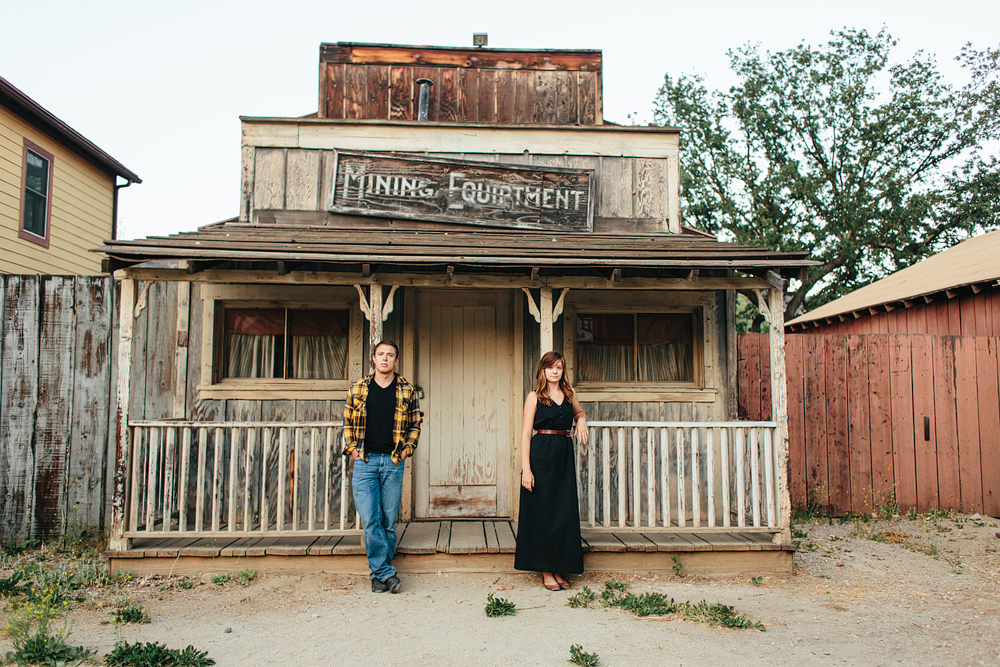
pixel 477 244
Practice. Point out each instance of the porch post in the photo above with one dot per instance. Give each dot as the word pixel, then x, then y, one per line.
pixel 375 312
pixel 117 540
pixel 779 410
pixel 545 314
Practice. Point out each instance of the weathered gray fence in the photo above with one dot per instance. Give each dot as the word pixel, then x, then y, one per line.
pixel 58 353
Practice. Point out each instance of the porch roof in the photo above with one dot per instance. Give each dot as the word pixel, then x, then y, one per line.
pixel 232 241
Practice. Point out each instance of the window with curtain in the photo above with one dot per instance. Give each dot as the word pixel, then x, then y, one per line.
pixel 635 347
pixel 283 343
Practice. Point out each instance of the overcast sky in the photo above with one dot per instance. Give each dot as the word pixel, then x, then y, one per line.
pixel 161 87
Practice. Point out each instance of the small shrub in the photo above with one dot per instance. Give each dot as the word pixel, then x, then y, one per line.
pixel 677 566
pixel 496 607
pixel 220 579
pixel 244 577
pixel 799 533
pixel 185 583
pixel 34 637
pixel 578 657
pixel 131 614
pixel 150 654
pixel 14 585
pixel 582 599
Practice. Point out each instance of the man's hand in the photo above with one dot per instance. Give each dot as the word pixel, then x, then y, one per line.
pixel 356 453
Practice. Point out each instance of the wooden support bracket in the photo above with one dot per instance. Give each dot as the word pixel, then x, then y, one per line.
pixel 762 305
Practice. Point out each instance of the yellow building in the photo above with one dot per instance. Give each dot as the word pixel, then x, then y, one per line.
pixel 58 191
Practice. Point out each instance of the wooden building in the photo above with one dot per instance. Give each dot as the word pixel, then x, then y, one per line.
pixel 58 191
pixel 512 221
pixel 955 292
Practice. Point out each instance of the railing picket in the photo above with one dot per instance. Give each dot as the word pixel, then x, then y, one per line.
pixel 182 487
pixel 695 477
pixel 636 479
pixel 606 498
pixel 622 477
pixel 724 451
pixel 576 467
pixel 329 475
pixel 343 487
pixel 216 479
pixel 152 474
pixel 650 477
pixel 265 447
pixel 769 476
pixel 234 437
pixel 248 468
pixel 137 468
pixel 168 477
pixel 592 477
pixel 754 478
pixel 313 469
pixel 280 509
pixel 710 473
pixel 741 488
pixel 681 491
pixel 199 503
pixel 665 474
pixel 293 478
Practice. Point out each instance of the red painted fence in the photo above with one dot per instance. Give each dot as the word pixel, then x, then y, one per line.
pixel 872 414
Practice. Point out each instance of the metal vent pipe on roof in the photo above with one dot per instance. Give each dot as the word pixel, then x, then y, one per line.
pixel 425 98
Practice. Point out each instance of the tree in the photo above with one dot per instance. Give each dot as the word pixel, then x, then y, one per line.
pixel 836 152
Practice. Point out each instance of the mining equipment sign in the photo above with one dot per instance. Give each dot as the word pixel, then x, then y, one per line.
pixel 485 194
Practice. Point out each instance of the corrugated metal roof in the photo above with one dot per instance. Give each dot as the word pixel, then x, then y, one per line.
pixel 975 260
pixel 230 241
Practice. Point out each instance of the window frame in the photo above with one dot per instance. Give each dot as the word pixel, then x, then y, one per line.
pixel 50 158
pixel 216 298
pixel 698 305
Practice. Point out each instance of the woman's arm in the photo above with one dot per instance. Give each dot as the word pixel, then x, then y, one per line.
pixel 528 479
pixel 582 433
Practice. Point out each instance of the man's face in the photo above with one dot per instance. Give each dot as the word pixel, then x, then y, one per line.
pixel 385 359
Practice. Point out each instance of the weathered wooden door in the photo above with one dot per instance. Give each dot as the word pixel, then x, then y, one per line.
pixel 465 367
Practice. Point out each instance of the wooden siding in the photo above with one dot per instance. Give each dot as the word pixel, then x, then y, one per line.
pixel 57 352
pixel 373 82
pixel 869 415
pixel 950 314
pixel 82 206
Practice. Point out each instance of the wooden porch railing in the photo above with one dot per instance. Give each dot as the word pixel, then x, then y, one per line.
pixel 679 476
pixel 201 479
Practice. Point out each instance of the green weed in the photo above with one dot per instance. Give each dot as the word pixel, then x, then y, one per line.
pixel 150 654
pixel 756 581
pixel 15 584
pixel 582 599
pixel 579 657
pixel 185 583
pixel 244 577
pixel 220 579
pixel 34 636
pixel 496 607
pixel 131 614
pixel 677 566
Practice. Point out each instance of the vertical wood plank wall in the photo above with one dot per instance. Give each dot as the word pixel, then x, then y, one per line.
pixel 56 384
pixel 873 414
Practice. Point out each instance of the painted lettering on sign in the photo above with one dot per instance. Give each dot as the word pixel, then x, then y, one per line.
pixel 475 193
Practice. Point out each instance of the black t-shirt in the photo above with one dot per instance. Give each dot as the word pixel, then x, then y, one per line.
pixel 380 408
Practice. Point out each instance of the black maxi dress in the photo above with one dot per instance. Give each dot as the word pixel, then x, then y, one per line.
pixel 548 530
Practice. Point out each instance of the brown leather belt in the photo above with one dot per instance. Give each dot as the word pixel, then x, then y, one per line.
pixel 547 432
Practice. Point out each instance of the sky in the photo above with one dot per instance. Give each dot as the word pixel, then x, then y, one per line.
pixel 161 86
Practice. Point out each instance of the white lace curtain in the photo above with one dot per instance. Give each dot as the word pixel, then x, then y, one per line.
pixel 277 343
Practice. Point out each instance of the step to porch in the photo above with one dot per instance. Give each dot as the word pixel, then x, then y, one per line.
pixel 455 546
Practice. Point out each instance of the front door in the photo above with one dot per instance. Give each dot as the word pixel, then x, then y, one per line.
pixel 465 366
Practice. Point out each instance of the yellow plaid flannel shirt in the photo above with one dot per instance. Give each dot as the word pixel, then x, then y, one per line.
pixel 405 423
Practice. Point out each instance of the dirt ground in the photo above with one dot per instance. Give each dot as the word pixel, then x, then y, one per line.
pixel 922 591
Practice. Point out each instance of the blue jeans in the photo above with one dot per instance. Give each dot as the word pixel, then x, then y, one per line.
pixel 378 489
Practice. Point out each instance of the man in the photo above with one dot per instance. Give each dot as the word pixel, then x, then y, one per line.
pixel 381 427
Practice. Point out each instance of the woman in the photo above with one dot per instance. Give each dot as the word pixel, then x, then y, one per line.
pixel 548 530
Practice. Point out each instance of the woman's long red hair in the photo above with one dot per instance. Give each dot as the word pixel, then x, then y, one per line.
pixel 550 359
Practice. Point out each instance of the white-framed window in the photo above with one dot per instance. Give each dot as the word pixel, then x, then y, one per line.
pixel 36 194
pixel 280 341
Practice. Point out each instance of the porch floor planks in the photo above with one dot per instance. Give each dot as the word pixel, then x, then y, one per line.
pixel 291 546
pixel 492 546
pixel 505 536
pixel 250 547
pixel 603 542
pixel 420 538
pixel 444 537
pixel 467 537
pixel 349 545
pixel 635 542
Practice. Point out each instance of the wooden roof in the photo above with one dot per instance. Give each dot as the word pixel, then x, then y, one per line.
pixel 973 262
pixel 570 252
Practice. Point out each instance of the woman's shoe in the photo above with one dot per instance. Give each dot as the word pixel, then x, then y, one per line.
pixel 553 585
pixel 563 584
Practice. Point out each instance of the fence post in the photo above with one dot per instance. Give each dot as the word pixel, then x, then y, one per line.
pixel 117 540
pixel 779 411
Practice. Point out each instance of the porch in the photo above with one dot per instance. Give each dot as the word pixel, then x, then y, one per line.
pixel 276 496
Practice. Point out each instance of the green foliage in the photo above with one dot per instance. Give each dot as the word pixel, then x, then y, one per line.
pixel 34 636
pixel 677 566
pixel 756 581
pixel 220 579
pixel 131 614
pixel 244 577
pixel 578 657
pixel 185 583
pixel 835 151
pixel 150 654
pixel 496 607
pixel 582 599
pixel 12 549
pixel 13 585
pixel 799 533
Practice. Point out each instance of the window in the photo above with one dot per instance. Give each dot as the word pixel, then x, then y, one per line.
pixel 286 343
pixel 280 341
pixel 635 347
pixel 36 194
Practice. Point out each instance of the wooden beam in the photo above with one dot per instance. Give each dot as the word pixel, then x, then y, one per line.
pixel 366 270
pixel 616 276
pixel 197 265
pixel 779 414
pixel 284 267
pixel 775 280
pixel 117 540
pixel 534 274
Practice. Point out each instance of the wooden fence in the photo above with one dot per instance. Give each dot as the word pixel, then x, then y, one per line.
pixel 58 351
pixel 870 415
